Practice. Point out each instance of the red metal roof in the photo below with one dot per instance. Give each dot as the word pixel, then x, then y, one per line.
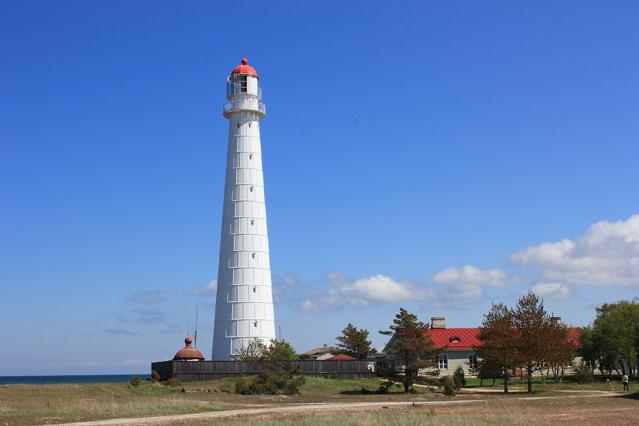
pixel 244 68
pixel 466 338
pixel 341 357
pixel 455 338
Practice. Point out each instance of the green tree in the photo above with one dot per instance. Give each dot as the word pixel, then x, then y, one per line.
pixel 412 346
pixel 533 327
pixel 613 339
pixel 278 374
pixel 459 377
pixel 355 342
pixel 448 385
pixel 253 351
pixel 498 352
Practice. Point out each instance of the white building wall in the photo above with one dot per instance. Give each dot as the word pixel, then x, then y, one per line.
pixel 244 305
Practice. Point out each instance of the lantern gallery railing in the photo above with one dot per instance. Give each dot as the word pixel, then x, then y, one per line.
pixel 229 107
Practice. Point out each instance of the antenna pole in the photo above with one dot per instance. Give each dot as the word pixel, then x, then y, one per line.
pixel 196 321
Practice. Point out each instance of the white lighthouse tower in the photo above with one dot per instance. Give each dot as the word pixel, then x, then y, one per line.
pixel 244 305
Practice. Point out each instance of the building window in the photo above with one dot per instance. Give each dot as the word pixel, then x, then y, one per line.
pixel 249 124
pixel 250 156
pixel 454 340
pixel 254 323
pixel 472 361
pixel 253 255
pixel 252 221
pixel 443 362
pixel 254 289
pixel 251 189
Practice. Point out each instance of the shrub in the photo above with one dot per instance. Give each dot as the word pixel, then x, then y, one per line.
pixel 242 386
pixel 155 376
pixel 448 386
pixel 583 373
pixel 173 382
pixel 278 374
pixel 459 378
pixel 135 381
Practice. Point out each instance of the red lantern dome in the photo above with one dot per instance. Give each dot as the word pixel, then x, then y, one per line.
pixel 245 68
pixel 188 352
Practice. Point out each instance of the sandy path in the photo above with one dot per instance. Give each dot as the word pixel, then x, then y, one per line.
pixel 301 409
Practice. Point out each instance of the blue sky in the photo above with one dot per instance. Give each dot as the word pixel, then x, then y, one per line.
pixel 431 155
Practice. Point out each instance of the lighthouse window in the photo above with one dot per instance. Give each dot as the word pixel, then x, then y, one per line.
pixel 238 125
pixel 249 124
pixel 252 221
pixel 251 189
pixel 250 156
pixel 254 323
pixel 243 83
pixel 254 289
pixel 253 255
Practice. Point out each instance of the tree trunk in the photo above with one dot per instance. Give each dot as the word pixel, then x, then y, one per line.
pixel 506 384
pixel 529 372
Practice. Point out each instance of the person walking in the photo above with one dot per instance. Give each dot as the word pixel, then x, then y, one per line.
pixel 626 387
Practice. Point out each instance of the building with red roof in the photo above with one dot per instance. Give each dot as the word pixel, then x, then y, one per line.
pixel 341 357
pixel 459 345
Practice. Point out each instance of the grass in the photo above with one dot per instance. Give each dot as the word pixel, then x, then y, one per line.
pixel 422 418
pixel 29 404
pixel 539 385
pixel 38 404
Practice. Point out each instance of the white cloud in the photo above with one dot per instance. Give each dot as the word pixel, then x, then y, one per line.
pixel 466 283
pixel 148 297
pixel 206 290
pixel 119 331
pixel 472 275
pixel 338 278
pixel 361 292
pixel 606 255
pixel 289 279
pixel 557 291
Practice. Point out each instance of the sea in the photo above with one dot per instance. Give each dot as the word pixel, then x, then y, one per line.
pixel 42 380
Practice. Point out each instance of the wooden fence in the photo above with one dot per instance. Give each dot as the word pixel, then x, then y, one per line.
pixel 188 371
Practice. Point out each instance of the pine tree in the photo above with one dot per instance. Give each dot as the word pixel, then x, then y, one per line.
pixel 532 325
pixel 413 346
pixel 355 342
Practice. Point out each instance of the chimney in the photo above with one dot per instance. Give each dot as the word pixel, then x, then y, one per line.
pixel 437 322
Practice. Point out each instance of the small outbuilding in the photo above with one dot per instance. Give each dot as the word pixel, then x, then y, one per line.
pixel 188 352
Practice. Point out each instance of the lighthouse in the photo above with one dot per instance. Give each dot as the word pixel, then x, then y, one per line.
pixel 244 304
